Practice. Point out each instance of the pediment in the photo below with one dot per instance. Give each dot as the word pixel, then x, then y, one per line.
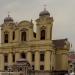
pixel 24 22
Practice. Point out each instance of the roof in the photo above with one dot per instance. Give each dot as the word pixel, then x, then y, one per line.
pixel 44 12
pixel 71 57
pixel 8 19
pixel 59 43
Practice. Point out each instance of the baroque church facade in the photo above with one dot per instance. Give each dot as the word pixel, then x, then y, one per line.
pixel 19 41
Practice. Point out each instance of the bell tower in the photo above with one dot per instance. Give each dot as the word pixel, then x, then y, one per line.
pixel 7 30
pixel 44 26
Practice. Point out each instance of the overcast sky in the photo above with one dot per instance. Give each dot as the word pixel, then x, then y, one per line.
pixel 63 12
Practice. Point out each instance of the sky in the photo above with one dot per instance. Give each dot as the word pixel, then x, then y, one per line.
pixel 62 11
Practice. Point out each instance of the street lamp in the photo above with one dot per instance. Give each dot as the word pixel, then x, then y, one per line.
pixel 9 69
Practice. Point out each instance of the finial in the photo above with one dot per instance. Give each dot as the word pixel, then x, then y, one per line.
pixel 31 21
pixel 45 6
pixel 8 14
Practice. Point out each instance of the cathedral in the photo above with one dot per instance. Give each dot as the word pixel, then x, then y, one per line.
pixel 19 42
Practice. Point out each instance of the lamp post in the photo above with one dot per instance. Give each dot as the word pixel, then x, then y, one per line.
pixel 9 69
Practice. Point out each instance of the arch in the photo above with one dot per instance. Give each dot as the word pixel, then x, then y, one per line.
pixel 42 35
pixel 24 29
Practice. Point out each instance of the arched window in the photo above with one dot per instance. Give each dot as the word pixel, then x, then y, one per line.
pixel 42 35
pixel 5 37
pixel 23 36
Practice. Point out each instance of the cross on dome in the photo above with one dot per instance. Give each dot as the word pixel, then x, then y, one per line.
pixel 8 18
pixel 44 12
pixel 45 7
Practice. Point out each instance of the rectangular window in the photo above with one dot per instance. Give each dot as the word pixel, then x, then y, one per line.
pixel 33 57
pixel 41 56
pixel 23 55
pixel 13 57
pixel 5 68
pixel 32 67
pixel 6 58
pixel 23 36
pixel 5 38
pixel 41 67
pixel 34 34
pixel 13 35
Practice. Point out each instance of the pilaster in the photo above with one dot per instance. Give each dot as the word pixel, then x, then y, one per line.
pixel 29 56
pixel 10 58
pixel 1 62
pixel 17 56
pixel 37 60
pixel 47 61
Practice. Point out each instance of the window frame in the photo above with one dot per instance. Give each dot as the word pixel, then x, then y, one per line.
pixel 24 57
pixel 33 57
pixel 6 38
pixel 13 57
pixel 5 67
pixel 5 58
pixel 42 56
pixel 13 37
pixel 33 67
pixel 41 67
pixel 23 37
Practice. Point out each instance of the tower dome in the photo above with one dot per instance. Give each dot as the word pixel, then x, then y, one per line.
pixel 8 19
pixel 44 12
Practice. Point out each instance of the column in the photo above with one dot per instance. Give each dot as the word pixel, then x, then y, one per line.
pixel 48 32
pixel 10 58
pixel 30 37
pixel 17 56
pixel 37 60
pixel 52 60
pixel 1 62
pixel 47 61
pixel 29 56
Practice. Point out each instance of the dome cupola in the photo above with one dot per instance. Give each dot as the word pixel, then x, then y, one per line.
pixel 44 13
pixel 8 19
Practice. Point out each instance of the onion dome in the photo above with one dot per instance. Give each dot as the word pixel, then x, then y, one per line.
pixel 8 19
pixel 44 13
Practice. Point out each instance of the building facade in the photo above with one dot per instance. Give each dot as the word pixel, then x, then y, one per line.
pixel 18 40
pixel 71 59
